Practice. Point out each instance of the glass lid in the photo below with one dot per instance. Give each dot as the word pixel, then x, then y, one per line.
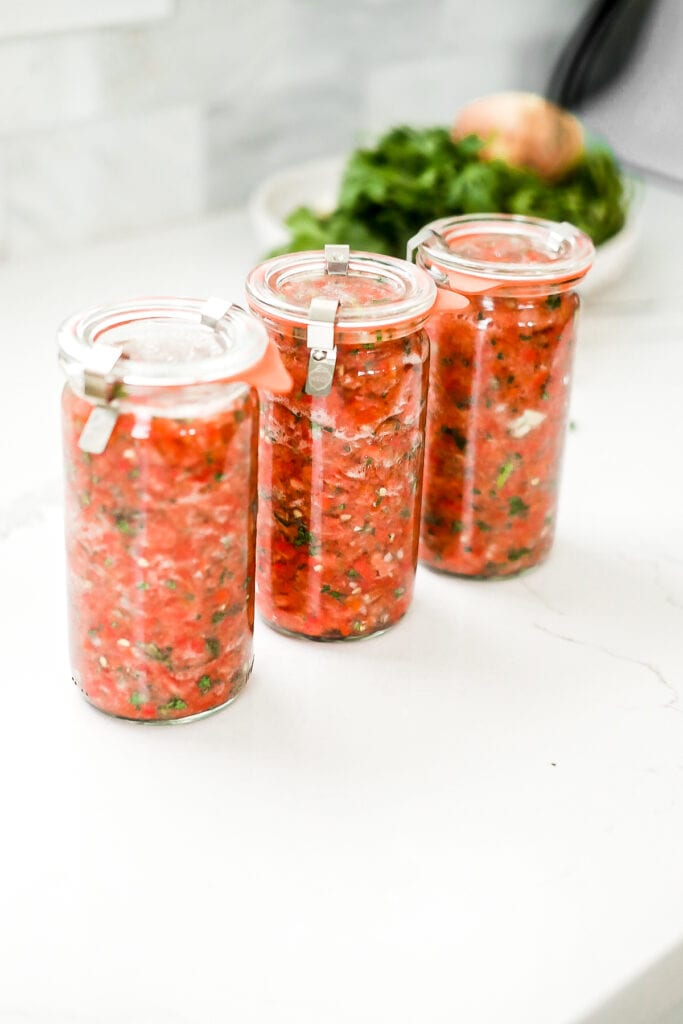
pixel 371 290
pixel 505 247
pixel 162 342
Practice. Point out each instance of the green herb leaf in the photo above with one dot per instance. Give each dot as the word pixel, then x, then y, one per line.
pixel 174 704
pixel 415 175
pixel 327 589
pixel 305 537
pixel 212 645
pixel 517 507
pixel 504 472
pixel 514 554
pixel 156 653
pixel 204 684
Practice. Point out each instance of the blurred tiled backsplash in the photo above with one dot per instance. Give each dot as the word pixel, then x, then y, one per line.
pixel 116 115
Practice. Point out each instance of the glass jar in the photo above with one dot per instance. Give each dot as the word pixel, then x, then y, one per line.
pixel 502 339
pixel 341 456
pixel 160 431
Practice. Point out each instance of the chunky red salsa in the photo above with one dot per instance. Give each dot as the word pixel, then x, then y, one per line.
pixel 159 533
pixel 499 393
pixel 340 479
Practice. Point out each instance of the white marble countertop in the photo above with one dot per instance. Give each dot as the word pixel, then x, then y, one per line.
pixel 476 818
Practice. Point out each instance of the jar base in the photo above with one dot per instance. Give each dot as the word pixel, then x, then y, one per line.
pixel 483 577
pixel 326 639
pixel 170 721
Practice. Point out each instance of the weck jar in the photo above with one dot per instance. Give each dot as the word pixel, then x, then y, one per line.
pixel 503 337
pixel 160 426
pixel 341 456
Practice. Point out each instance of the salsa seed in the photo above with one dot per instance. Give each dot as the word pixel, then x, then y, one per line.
pixel 122 642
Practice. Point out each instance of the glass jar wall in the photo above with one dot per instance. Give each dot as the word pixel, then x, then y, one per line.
pixel 340 472
pixel 161 511
pixel 499 390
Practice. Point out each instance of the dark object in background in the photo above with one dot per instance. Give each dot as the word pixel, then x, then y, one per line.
pixel 599 50
pixel 622 73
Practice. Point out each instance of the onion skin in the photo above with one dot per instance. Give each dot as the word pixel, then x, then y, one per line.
pixel 525 131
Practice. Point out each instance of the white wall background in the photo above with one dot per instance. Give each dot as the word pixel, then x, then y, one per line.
pixel 116 115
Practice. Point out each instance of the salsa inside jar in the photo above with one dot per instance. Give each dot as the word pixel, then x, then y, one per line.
pixel 499 391
pixel 160 431
pixel 498 404
pixel 340 475
pixel 160 554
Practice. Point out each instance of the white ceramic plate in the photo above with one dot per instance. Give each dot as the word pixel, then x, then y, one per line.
pixel 316 184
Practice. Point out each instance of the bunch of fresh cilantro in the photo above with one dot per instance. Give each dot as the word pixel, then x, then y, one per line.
pixel 413 176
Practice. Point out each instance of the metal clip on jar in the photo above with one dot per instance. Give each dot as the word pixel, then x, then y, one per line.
pixel 340 457
pixel 502 338
pixel 160 443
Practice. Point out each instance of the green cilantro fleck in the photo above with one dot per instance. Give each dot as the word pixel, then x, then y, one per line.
pixel 174 704
pixel 327 589
pixel 156 653
pixel 517 506
pixel 504 473
pixel 304 537
pixel 204 684
pixel 514 554
pixel 212 645
pixel 137 700
pixel 553 301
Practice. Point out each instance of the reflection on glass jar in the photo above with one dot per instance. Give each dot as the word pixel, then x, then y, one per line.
pixel 340 473
pixel 499 390
pixel 161 513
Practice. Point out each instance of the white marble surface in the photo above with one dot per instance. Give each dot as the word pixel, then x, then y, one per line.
pixel 475 818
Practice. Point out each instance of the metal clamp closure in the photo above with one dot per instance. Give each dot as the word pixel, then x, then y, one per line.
pixel 213 310
pixel 97 384
pixel 416 241
pixel 322 314
pixel 337 259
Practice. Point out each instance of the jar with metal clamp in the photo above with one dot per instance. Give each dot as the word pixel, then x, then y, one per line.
pixel 503 337
pixel 341 456
pixel 160 444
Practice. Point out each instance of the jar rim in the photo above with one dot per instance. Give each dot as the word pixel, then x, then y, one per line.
pixel 410 292
pixel 238 342
pixel 529 249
